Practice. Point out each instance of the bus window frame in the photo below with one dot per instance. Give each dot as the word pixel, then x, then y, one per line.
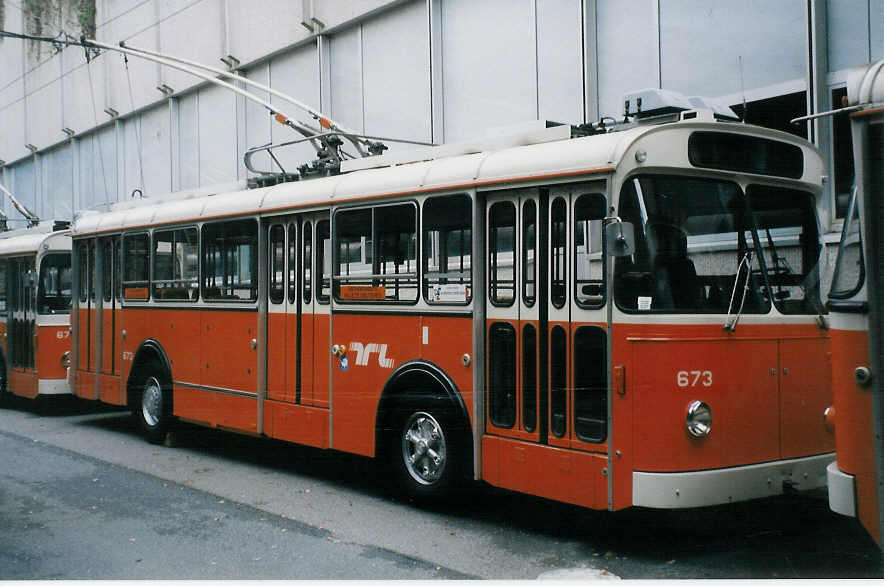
pixel 4 295
pixel 253 270
pixel 124 264
pixel 40 289
pixel 763 248
pixel 318 261
pixel 337 280
pixel 587 246
pixel 491 267
pixel 761 283
pixel 424 263
pixel 153 264
pixel 272 283
pixel 851 218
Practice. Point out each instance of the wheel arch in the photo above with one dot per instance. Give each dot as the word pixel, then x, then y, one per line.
pixel 147 351
pixel 419 380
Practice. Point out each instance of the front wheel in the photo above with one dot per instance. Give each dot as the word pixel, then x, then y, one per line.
pixel 425 453
pixel 153 409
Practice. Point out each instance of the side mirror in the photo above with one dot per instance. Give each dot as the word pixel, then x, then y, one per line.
pixel 619 238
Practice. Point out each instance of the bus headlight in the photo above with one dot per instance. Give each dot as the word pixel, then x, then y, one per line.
pixel 66 359
pixel 698 419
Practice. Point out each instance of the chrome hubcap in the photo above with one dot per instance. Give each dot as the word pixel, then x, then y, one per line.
pixel 423 448
pixel 152 401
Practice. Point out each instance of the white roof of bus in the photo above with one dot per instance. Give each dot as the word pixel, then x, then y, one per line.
pixel 597 153
pixel 29 240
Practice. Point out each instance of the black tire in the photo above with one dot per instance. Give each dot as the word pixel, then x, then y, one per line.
pixel 426 452
pixel 152 401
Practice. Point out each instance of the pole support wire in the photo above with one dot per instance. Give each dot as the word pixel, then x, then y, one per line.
pixel 363 145
pixel 326 139
pixel 137 124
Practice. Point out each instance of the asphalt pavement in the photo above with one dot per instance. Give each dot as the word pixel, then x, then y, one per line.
pixel 82 496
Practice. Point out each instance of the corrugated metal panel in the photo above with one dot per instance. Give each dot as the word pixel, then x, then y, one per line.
pixel 217 136
pixel 489 70
pixel 396 76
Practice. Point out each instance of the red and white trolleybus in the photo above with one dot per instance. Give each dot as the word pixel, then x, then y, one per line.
pixel 625 318
pixel 35 296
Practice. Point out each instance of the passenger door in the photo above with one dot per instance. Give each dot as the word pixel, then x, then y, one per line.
pixel 546 383
pixel 315 314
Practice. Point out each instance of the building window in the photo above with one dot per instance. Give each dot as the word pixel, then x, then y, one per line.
pixel 776 112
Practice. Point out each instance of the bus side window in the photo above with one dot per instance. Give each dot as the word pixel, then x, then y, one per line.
pixel 502 253
pixel 136 278
pixel 323 260
pixel 589 273
pixel 293 264
pixel 376 254
pixel 558 381
pixel 559 253
pixel 308 263
pixel 447 252
pixel 276 274
pixel 230 261
pixel 529 254
pixel 590 384
pixel 175 265
pixel 3 265
pixel 118 282
pixel 502 379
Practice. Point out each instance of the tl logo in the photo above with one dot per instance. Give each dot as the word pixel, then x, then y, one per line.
pixel 363 354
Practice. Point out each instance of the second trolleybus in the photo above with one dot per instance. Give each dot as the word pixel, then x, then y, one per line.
pixel 855 480
pixel 628 318
pixel 35 296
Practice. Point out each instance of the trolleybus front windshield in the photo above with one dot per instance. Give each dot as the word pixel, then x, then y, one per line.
pixel 791 245
pixel 694 248
pixel 54 292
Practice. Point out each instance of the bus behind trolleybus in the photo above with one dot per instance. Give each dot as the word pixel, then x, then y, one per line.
pixel 35 295
pixel 609 317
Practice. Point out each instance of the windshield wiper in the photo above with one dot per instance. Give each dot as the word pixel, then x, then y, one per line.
pixel 747 261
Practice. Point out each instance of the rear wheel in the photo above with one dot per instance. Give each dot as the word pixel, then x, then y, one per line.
pixel 153 406
pixel 425 452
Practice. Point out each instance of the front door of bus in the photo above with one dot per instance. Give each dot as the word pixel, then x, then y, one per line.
pixel 546 389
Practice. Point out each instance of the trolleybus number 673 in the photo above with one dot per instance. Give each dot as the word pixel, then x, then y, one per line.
pixel 691 378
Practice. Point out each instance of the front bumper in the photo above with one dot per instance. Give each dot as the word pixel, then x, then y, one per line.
pixel 842 491
pixel 681 490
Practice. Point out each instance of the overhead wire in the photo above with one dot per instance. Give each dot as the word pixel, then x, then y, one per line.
pixel 137 123
pixel 95 136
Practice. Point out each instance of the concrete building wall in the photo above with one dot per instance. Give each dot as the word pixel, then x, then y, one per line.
pixel 423 70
